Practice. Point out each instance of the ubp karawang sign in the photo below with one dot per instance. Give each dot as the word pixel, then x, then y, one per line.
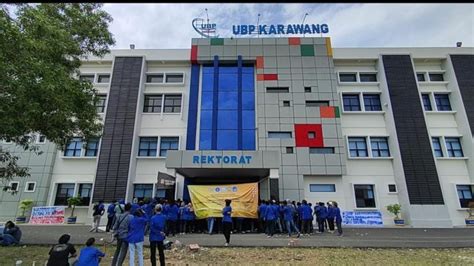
pixel 47 215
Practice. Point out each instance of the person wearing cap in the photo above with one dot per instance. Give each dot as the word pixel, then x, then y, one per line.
pixel 157 235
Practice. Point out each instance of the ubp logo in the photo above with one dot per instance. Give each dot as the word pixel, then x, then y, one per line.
pixel 204 29
pixel 225 189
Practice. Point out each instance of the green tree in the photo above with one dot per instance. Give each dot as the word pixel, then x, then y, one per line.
pixel 41 47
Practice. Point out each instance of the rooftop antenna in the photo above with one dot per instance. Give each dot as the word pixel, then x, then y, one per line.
pixel 258 21
pixel 207 16
pixel 302 23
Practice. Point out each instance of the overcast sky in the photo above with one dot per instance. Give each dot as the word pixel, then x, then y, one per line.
pixel 350 25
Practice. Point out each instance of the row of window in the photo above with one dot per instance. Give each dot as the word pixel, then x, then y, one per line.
pixel 323 150
pixel 378 147
pixel 78 147
pixel 433 76
pixel 372 77
pixel 452 147
pixel 15 186
pixel 163 78
pixel 95 78
pixel 33 138
pixel 351 102
pixel 68 190
pixel 149 146
pixel 154 103
pixel 441 100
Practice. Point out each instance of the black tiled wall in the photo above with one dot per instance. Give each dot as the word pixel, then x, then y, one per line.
pixel 464 68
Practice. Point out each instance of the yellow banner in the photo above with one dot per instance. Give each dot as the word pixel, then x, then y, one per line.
pixel 209 200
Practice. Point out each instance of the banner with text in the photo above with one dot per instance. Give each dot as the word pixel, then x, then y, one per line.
pixel 362 218
pixel 209 200
pixel 47 215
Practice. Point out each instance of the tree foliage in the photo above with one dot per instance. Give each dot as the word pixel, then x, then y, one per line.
pixel 41 47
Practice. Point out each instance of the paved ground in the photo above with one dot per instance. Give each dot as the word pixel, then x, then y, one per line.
pixel 353 237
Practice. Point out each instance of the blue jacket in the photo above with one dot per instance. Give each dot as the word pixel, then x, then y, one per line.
pixel 322 212
pixel 134 208
pixel 89 257
pixel 288 213
pixel 270 213
pixel 149 209
pixel 136 229
pixel 226 212
pixel 181 212
pixel 173 212
pixel 262 210
pixel 111 210
pixel 337 212
pixel 331 213
pixel 157 226
pixel 306 212
pixel 299 210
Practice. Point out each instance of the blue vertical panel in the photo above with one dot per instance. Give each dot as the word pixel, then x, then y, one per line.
pixel 193 108
pixel 239 105
pixel 215 105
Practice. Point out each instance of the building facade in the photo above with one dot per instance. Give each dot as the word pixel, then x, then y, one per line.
pixel 366 127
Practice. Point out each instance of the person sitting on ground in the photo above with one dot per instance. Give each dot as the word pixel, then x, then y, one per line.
pixel 90 255
pixel 59 253
pixel 11 234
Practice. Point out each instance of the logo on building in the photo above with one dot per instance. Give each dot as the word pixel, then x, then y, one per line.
pixel 204 28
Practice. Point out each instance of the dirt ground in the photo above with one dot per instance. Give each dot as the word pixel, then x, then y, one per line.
pixel 37 255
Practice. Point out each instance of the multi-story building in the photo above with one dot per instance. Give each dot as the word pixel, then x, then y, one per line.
pixel 366 127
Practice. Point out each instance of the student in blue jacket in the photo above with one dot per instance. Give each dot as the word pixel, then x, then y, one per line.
pixel 323 214
pixel 337 212
pixel 157 236
pixel 270 218
pixel 331 216
pixel 136 236
pixel 227 221
pixel 90 255
pixel 261 215
pixel 288 217
pixel 306 214
pixel 172 218
pixel 110 216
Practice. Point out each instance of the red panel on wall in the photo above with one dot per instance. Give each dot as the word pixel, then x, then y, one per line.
pixel 294 41
pixel 270 76
pixel 194 54
pixel 259 63
pixel 303 132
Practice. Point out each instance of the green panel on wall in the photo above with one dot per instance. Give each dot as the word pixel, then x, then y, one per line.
pixel 336 111
pixel 307 50
pixel 217 41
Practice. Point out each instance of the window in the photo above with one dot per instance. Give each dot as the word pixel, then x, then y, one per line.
pixel 154 78
pixel 379 147
pixel 426 102
pixel 372 102
pixel 279 135
pixel 85 194
pixel 436 77
pixel 311 135
pixel 148 146
pixel 103 78
pixel 357 147
pixel 41 139
pixel 152 104
pixel 317 103
pixel 286 103
pixel 453 147
pixel 168 143
pixel 63 192
pixel 30 186
pixel 392 188
pixel 437 147
pixel 465 195
pixel 172 104
pixel 442 102
pixel 368 77
pixel 89 78
pixel 347 77
pixel 92 147
pixel 420 77
pixel 325 150
pixel 13 186
pixel 322 188
pixel 351 102
pixel 364 195
pixel 142 191
pixel 289 149
pixel 73 148
pixel 277 89
pixel 174 78
pixel 307 89
pixel 100 105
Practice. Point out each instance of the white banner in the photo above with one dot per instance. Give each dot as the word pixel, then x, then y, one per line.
pixel 47 215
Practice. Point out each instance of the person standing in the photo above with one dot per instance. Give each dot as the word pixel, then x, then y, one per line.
pixel 270 217
pixel 90 255
pixel 261 215
pixel 136 236
pixel 120 207
pixel 306 213
pixel 330 217
pixel 323 214
pixel 121 233
pixel 288 212
pixel 60 253
pixel 210 224
pixel 227 221
pixel 110 216
pixel 157 236
pixel 172 218
pixel 99 210
pixel 337 213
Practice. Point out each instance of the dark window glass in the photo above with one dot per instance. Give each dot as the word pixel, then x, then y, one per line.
pixel 317 103
pixel 248 82
pixel 30 186
pixel 311 135
pixel 453 147
pixel 42 139
pixel 392 188
pixel 465 195
pixel 103 78
pixel 368 77
pixel 63 192
pixel 228 82
pixel 14 186
pixel 289 149
pixel 248 101
pixel 152 103
pixel 248 140
pixel 379 147
pixel 347 77
pixel 372 102
pixel 207 100
pixel 322 188
pixel 278 89
pixel 174 78
pixel 148 146
pixel 154 78
pixel 286 103
pixel 168 143
pixel 358 147
pixel 73 148
pixel 89 78
pixel 227 140
pixel 142 191
pixel 85 194
pixel 442 102
pixel 325 150
pixel 172 104
pixel 420 76
pixel 364 195
pixel 205 139
pixel 307 89
pixel 426 102
pixel 437 147
pixel 227 119
pixel 206 119
pixel 100 105
pixel 208 80
pixel 351 102
pixel 228 100
pixel 248 119
pixel 279 135
pixel 436 77
pixel 92 147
